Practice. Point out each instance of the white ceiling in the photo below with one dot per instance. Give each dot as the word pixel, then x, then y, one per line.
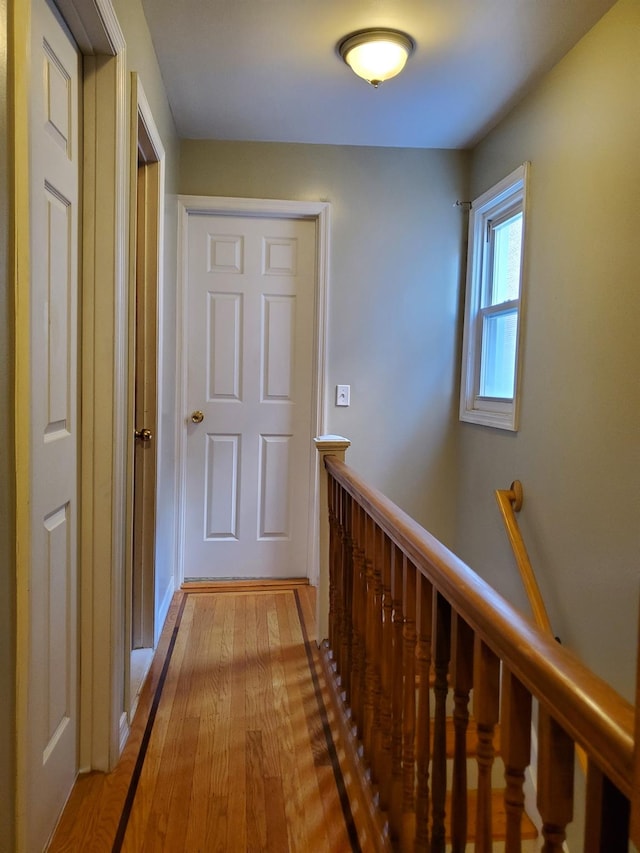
pixel 268 69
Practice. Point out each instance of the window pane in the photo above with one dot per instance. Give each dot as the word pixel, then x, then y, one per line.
pixel 507 249
pixel 498 363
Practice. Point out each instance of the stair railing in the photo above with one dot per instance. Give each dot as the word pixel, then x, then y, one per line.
pixel 401 605
pixel 510 502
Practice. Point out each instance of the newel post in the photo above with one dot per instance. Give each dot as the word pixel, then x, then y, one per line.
pixel 327 445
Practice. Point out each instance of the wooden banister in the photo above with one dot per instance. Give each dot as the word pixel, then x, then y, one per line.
pixel 581 706
pixel 510 502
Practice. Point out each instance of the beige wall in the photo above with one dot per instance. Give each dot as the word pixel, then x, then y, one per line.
pixel 7 490
pixel 393 294
pixel 577 452
pixel 393 321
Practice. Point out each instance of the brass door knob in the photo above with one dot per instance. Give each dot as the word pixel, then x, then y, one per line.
pixel 144 434
pixel 197 417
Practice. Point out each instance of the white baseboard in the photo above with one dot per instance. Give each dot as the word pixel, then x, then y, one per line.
pixel 163 609
pixel 123 732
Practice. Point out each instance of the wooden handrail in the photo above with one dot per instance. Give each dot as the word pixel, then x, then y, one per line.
pixel 510 502
pixel 589 710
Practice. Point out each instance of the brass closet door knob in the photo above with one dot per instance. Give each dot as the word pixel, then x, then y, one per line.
pixel 197 417
pixel 144 434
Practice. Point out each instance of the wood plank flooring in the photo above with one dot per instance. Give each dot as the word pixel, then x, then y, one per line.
pixel 233 747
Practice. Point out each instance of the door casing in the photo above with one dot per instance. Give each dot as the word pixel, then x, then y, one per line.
pixel 214 205
pixel 145 265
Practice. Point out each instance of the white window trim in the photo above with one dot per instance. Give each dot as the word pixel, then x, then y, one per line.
pixel 502 414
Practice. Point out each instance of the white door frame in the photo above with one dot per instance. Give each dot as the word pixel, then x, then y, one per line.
pixel 272 208
pixel 154 152
pixel 103 722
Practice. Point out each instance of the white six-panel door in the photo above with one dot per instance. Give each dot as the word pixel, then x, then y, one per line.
pixel 52 687
pixel 250 286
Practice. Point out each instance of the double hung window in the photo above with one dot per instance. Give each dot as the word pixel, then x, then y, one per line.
pixel 489 389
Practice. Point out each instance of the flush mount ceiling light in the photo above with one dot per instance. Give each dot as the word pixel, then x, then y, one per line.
pixel 376 55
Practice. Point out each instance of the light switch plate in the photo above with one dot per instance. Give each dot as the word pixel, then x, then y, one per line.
pixel 343 395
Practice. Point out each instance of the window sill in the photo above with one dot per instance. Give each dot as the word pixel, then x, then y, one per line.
pixel 504 419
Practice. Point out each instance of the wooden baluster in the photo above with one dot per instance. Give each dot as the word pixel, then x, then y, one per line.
pixel 347 594
pixel 386 670
pixel 555 781
pixel 395 806
pixel 462 676
pixel 424 620
pixel 607 815
pixel 362 586
pixel 370 652
pixel 357 643
pixel 409 695
pixel 486 708
pixel 339 593
pixel 377 655
pixel 339 605
pixel 441 657
pixel 334 574
pixel 515 740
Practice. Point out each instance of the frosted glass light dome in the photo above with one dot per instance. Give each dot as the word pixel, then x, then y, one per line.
pixel 376 55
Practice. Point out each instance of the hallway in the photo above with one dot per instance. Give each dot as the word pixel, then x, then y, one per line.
pixel 233 747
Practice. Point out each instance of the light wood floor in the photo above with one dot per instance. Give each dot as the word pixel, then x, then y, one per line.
pixel 234 746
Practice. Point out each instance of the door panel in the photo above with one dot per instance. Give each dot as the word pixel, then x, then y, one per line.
pixel 250 309
pixel 224 349
pixel 55 159
pixel 222 474
pixel 273 492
